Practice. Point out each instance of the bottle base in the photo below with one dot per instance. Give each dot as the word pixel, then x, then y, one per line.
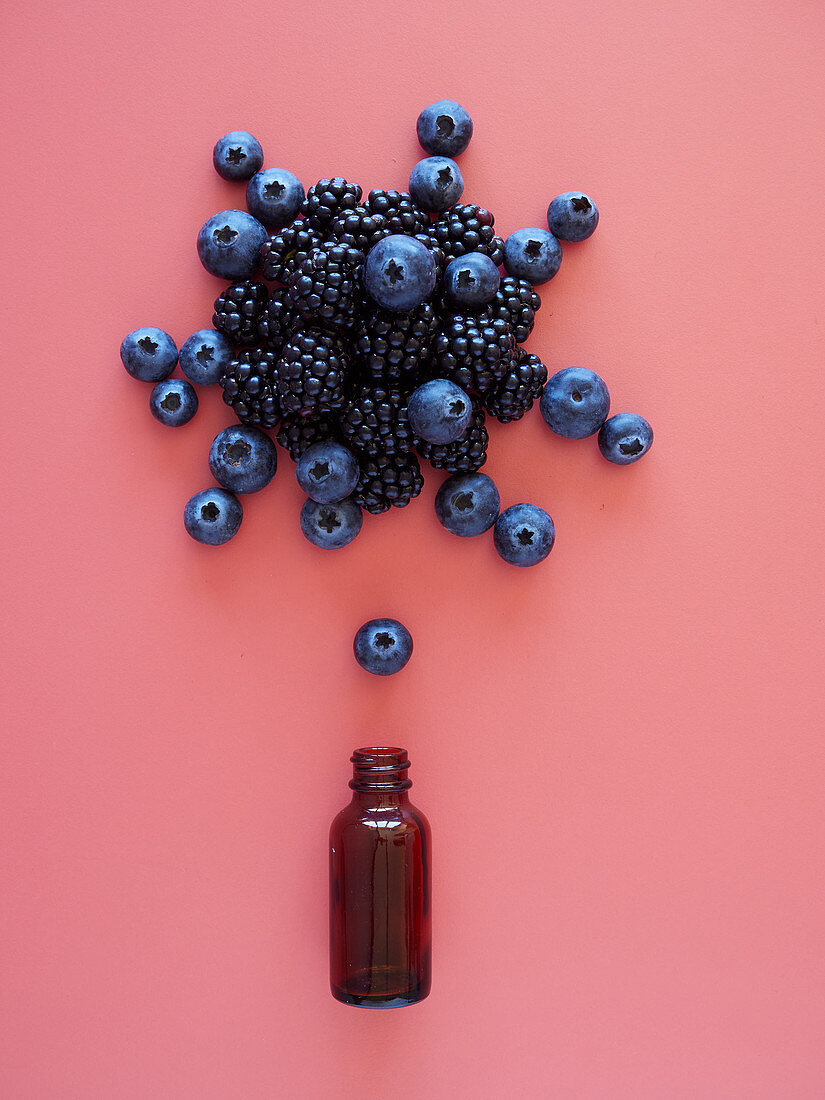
pixel 379 1000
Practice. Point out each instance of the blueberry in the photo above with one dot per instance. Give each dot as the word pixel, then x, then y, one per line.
pixel 400 273
pixel 149 354
pixel 213 516
pixel 383 646
pixel 444 128
pixel 467 504
pixel 436 184
pixel 524 534
pixel 572 216
pixel 575 402
pixel 173 402
pixel 625 438
pixel 274 197
pixel 331 526
pixel 229 244
pixel 440 411
pixel 205 356
pixel 242 459
pixel 532 254
pixel 471 280
pixel 327 472
pixel 237 155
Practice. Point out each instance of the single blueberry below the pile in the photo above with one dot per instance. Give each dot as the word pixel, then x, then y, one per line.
pixel 471 280
pixel 205 356
pixel 575 402
pixel 524 534
pixel 467 504
pixel 440 411
pixel 327 472
pixel 229 244
pixel 237 155
pixel 572 216
pixel 625 438
pixel 213 516
pixel 383 646
pixel 532 254
pixel 173 402
pixel 243 459
pixel 331 526
pixel 400 273
pixel 149 354
pixel 444 128
pixel 436 184
pixel 274 197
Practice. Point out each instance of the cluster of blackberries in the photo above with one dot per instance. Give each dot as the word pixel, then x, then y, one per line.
pixel 389 337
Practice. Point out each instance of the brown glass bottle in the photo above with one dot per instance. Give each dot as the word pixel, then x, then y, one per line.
pixel 379 883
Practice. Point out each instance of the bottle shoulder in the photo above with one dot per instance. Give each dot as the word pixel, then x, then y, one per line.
pixel 356 816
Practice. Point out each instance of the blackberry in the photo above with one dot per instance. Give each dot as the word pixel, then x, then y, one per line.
pixel 388 480
pixel 325 289
pixel 298 432
pixel 374 420
pixel 250 387
pixel 400 213
pixel 312 372
pixel 396 346
pixel 436 251
pixel 326 199
pixel 474 352
pixel 517 303
pixel 467 454
pixel 519 388
pixel 277 320
pixel 288 248
pixel 466 227
pixel 359 228
pixel 237 311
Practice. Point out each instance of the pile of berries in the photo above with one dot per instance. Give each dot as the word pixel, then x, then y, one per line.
pixel 370 334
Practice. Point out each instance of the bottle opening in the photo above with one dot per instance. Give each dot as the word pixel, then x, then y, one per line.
pixel 380 768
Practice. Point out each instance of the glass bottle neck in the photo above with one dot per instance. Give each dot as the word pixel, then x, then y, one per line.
pixel 380 771
pixel 380 800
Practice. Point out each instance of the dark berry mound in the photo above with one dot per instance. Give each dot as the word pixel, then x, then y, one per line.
pixel 288 248
pixel 399 212
pixel 465 455
pixel 388 481
pixel 516 303
pixel 238 309
pixel 396 346
pixel 277 320
pixel 250 387
pixel 474 352
pixel 359 228
pixel 519 388
pixel 325 289
pixel 327 198
pixel 313 372
pixel 467 227
pixel 298 431
pixel 374 420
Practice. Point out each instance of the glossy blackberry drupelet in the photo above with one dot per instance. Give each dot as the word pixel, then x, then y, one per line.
pixel 326 288
pixel 229 244
pixel 277 320
pixel 250 388
pixel 438 254
pixel 400 213
pixel 511 398
pixel 375 421
pixel 285 250
pixel 327 198
pixel 213 516
pixel 467 454
pixel 297 432
pixel 516 302
pixel 238 309
pixel 474 352
pixel 313 371
pixel 396 346
pixel 467 227
pixel 331 526
pixel 388 481
pixel 359 228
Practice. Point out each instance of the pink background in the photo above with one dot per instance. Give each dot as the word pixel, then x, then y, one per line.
pixel 620 751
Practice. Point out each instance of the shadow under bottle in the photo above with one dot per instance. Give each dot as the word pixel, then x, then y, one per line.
pixel 379 878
